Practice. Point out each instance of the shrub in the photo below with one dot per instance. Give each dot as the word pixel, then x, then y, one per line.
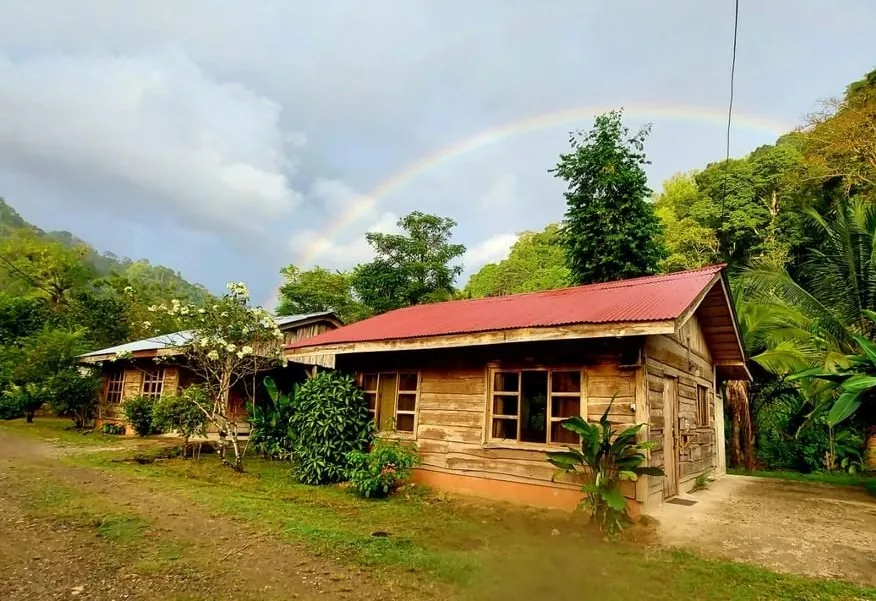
pixel 330 420
pixel 138 412
pixel 23 400
pixel 377 473
pixel 113 429
pixel 271 436
pixel 182 414
pixel 608 458
pixel 10 406
pixel 74 395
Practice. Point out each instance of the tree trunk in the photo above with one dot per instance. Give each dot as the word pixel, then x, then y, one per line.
pixel 28 416
pixel 742 436
pixel 870 449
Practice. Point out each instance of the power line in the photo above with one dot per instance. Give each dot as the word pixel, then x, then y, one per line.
pixel 730 112
pixel 24 274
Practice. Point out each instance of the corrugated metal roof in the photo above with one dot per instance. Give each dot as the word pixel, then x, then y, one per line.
pixel 181 338
pixel 651 298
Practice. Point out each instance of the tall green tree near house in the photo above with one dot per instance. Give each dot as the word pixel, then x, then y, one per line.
pixel 412 267
pixel 536 262
pixel 319 289
pixel 609 231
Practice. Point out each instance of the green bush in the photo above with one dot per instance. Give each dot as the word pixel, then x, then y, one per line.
pixel 10 406
pixel 182 414
pixel 22 400
pixel 113 429
pixel 271 436
pixel 330 420
pixel 74 395
pixel 138 412
pixel 377 473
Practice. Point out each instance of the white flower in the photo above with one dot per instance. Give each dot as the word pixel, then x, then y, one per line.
pixel 152 308
pixel 246 350
pixel 202 311
pixel 240 355
pixel 129 290
pixel 147 325
pixel 213 356
pixel 278 334
pixel 223 314
pixel 231 348
pixel 183 310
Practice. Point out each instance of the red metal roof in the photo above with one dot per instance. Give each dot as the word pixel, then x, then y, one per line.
pixel 650 298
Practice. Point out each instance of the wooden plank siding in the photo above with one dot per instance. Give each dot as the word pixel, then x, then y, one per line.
pixel 454 405
pixel 686 357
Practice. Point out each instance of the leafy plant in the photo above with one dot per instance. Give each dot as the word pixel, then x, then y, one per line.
pixel 607 458
pixel 74 395
pixel 331 419
pixel 182 414
pixel 22 400
pixel 113 429
pixel 377 473
pixel 138 412
pixel 701 482
pixel 271 436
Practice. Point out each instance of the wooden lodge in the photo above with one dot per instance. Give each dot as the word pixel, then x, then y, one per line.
pixel 482 385
pixel 138 373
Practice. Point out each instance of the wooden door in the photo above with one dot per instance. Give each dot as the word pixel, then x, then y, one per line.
pixel 386 402
pixel 670 437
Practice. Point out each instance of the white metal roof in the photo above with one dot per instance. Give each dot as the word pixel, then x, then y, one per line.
pixel 181 338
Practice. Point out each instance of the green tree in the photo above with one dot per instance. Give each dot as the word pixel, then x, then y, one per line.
pixel 536 262
pixel 410 268
pixel 319 289
pixel 610 231
pixel 689 243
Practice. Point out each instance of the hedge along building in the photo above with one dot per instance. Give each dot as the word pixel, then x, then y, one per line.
pixel 155 367
pixel 483 385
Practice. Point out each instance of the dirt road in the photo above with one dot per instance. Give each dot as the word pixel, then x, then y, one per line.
pixel 792 527
pixel 72 532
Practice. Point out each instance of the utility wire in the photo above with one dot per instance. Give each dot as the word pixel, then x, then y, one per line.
pixel 729 112
pixel 24 274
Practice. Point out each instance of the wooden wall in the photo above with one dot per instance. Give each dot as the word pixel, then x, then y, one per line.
pixel 133 385
pixel 309 331
pixel 453 407
pixel 684 356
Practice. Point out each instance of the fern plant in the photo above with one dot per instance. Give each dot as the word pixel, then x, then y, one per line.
pixel 607 458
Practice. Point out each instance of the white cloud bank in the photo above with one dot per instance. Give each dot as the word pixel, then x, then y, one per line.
pixel 209 151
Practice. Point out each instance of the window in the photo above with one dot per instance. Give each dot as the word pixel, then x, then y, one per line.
pixel 153 383
pixel 530 405
pixel 392 399
pixel 703 406
pixel 115 384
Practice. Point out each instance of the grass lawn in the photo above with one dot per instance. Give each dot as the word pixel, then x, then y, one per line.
pixel 832 478
pixel 475 550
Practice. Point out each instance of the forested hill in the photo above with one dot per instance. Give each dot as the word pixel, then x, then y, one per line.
pixel 16 232
pixel 53 283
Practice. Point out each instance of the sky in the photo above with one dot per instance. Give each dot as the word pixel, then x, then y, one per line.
pixel 227 139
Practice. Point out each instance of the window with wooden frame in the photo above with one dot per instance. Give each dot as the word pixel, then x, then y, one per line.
pixel 392 399
pixel 153 383
pixel 704 412
pixel 529 405
pixel 115 385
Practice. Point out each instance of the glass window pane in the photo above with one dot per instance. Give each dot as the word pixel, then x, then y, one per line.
pixel 407 402
pixel 404 422
pixel 371 399
pixel 565 406
pixel 407 381
pixel 369 382
pixel 506 382
pixel 505 428
pixel 565 381
pixel 559 435
pixel 505 405
pixel 533 409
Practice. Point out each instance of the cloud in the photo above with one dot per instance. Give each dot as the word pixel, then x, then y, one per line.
pixel 201 150
pixel 322 246
pixel 495 248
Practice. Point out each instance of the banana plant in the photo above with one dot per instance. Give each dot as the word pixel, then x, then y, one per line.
pixel 607 458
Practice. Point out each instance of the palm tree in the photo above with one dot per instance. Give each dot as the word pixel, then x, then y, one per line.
pixel 813 320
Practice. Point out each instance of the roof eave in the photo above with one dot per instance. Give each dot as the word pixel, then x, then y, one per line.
pixel 548 333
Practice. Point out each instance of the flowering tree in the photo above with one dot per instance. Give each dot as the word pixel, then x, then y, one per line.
pixel 226 343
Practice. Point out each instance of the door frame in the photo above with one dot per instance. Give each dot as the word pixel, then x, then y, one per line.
pixel 670 436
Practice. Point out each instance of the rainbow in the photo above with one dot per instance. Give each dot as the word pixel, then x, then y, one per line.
pixel 515 128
